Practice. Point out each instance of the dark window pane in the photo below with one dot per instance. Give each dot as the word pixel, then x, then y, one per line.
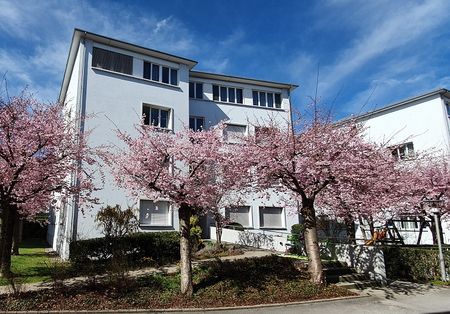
pixel 154 117
pixel 165 75
pixel 146 114
pixel 277 100
pixel 215 92
pixel 255 98
pixel 164 118
pixel 239 99
pixel 173 77
pixel 191 89
pixel 223 93
pixel 155 72
pixel 192 123
pixel 262 99
pixel 199 90
pixel 112 61
pixel 200 124
pixel 270 100
pixel 231 94
pixel 147 70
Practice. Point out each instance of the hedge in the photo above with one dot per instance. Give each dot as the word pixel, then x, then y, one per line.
pixel 139 248
pixel 419 264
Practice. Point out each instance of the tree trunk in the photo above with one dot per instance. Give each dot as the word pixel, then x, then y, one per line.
pixel 351 230
pixel 17 237
pixel 311 242
pixel 185 214
pixel 6 238
pixel 218 234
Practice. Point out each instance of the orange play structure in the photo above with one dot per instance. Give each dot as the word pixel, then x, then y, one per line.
pixel 378 235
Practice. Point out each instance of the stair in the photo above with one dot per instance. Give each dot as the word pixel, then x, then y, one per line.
pixel 347 277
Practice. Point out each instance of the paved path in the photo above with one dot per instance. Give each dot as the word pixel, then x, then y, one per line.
pixel 136 273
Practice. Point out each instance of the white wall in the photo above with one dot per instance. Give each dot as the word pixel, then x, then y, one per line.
pixel 425 123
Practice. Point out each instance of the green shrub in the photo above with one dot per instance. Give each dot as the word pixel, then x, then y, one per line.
pixel 141 248
pixel 297 240
pixel 414 263
pixel 196 234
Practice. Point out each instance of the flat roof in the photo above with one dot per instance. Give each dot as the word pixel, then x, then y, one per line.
pixel 237 79
pixel 440 91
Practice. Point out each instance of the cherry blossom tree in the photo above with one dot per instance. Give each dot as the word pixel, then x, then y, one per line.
pixel 41 153
pixel 192 170
pixel 308 160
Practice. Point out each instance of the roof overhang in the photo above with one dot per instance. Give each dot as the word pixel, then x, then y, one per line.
pixel 243 80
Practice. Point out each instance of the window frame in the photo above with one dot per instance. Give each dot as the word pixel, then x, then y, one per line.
pixel 112 55
pixel 159 108
pixel 271 102
pixel 224 93
pixel 196 124
pixel 250 215
pixel 157 71
pixel 170 218
pixel 225 136
pixel 283 218
pixel 397 150
pixel 195 90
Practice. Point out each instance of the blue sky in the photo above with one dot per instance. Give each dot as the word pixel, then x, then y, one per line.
pixel 369 53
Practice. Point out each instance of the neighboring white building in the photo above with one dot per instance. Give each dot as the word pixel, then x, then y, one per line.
pixel 119 82
pixel 418 124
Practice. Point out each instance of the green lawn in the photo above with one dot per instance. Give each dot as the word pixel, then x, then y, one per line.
pixel 32 264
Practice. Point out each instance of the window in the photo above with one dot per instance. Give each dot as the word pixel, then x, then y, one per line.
pixel 196 90
pixel 262 134
pixel 408 223
pixel 228 94
pixel 196 123
pixel 156 116
pixel 155 213
pixel 112 61
pixel 159 73
pixel 271 217
pixel 239 214
pixel 403 151
pixel 215 92
pixel 233 133
pixel 264 99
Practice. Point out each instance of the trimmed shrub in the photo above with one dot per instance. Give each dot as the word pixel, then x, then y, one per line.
pixel 414 263
pixel 141 248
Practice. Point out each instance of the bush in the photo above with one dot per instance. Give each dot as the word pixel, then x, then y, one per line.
pixel 141 248
pixel 414 263
pixel 116 222
pixel 297 239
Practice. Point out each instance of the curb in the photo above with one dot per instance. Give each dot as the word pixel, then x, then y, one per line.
pixel 232 308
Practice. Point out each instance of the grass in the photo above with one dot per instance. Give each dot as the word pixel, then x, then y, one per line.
pixel 32 263
pixel 264 280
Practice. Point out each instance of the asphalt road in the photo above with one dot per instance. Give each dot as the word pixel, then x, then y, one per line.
pixel 399 297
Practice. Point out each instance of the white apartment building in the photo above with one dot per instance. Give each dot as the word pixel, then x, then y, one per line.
pixel 418 124
pixel 120 82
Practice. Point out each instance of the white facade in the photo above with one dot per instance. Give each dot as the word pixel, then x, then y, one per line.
pixel 419 124
pixel 118 92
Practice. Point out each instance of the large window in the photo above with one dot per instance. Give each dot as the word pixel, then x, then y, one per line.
pixel 159 73
pixel 112 61
pixel 407 223
pixel 271 217
pixel 264 99
pixel 240 215
pixel 156 116
pixel 196 123
pixel 228 94
pixel 233 133
pixel 156 214
pixel 196 90
pixel 403 151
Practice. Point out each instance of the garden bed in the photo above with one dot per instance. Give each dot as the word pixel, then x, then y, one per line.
pixel 265 280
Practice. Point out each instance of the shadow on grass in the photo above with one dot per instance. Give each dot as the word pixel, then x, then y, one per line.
pixel 247 273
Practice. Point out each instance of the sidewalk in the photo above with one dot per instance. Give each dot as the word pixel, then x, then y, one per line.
pixel 171 269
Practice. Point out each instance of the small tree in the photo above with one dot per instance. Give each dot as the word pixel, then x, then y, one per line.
pixel 189 169
pixel 41 153
pixel 115 222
